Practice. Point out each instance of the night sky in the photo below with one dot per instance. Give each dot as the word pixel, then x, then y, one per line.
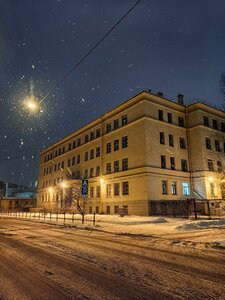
pixel 174 46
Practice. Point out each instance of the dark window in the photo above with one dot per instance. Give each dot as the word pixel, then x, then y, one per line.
pixel 210 164
pixel 108 127
pixel 223 126
pixel 217 146
pixel 170 120
pixel 92 154
pixel 86 138
pixel 98 171
pixel 116 209
pixel 160 114
pixel 184 165
pixel 171 142
pixel 125 188
pixel 108 209
pixel 78 142
pixel 73 160
pixel 108 168
pixel 182 143
pixel 124 164
pixel 69 162
pixel 91 172
pixel 208 143
pixel 164 187
pixel 56 153
pixel 181 121
pixel 125 209
pixel 62 166
pixel 86 156
pixel 92 136
pixel 163 161
pixel 98 193
pixel 78 158
pixel 172 163
pixel 162 138
pixel 173 188
pixel 59 151
pixel 125 141
pixel 219 166
pixel 124 120
pixel 98 132
pixel 86 173
pixel 215 124
pixel 55 168
pixel 116 145
pixel 98 152
pixel 74 144
pixel 206 121
pixel 108 147
pixel 116 124
pixel 116 166
pixel 116 189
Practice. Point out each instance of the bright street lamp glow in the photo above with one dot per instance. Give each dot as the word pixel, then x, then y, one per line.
pixel 210 178
pixel 31 104
pixel 63 184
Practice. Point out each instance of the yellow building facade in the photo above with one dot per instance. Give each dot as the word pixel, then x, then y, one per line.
pixel 148 148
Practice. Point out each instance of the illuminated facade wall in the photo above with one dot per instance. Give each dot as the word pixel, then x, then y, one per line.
pixel 142 150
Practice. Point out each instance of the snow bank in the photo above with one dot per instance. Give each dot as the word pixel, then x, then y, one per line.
pixel 202 224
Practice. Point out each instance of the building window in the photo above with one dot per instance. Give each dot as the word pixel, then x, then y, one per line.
pixel 108 147
pixel 210 165
pixel 116 124
pixel 78 142
pixel 184 167
pixel 108 168
pixel 171 142
pixel 164 187
pixel 91 191
pixel 74 144
pixel 162 138
pixel 69 147
pixel 212 189
pixel 206 121
pixel 116 209
pixel 217 146
pixel 125 141
pixel 108 127
pixel 108 209
pixel 163 161
pixel 116 144
pixel 92 154
pixel 185 189
pixel 116 189
pixel 86 173
pixel 98 132
pixel 125 188
pixel 173 188
pixel 160 114
pixel 208 143
pixel 69 162
pixel 108 190
pixel 182 143
pixel 124 164
pixel 86 138
pixel 116 166
pixel 62 166
pixel 86 156
pixel 223 126
pixel 55 167
pixel 98 152
pixel 91 172
pixel 215 124
pixel 169 117
pixel 172 163
pixel 219 166
pixel 73 160
pixel 92 136
pixel 98 192
pixel 97 171
pixel 78 158
pixel 181 121
pixel 124 120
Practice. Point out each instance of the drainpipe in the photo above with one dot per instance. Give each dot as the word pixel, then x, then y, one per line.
pixel 189 151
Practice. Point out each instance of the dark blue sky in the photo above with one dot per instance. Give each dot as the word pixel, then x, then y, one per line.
pixel 172 46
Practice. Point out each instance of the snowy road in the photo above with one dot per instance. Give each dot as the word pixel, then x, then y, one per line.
pixel 40 261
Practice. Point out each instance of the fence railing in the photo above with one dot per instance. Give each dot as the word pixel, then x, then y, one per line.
pixel 65 218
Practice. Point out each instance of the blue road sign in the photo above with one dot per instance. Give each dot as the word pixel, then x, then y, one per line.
pixel 84 190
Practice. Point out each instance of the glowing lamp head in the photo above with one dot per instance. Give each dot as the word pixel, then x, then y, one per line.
pixel 50 190
pixel 210 178
pixel 101 180
pixel 63 185
pixel 31 105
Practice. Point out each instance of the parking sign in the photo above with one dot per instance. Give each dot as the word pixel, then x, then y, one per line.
pixel 84 191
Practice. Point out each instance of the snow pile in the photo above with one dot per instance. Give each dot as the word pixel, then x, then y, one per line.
pixel 202 224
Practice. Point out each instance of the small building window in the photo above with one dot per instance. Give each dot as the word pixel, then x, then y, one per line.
pixel 116 189
pixel 164 187
pixel 92 136
pixel 171 142
pixel 163 161
pixel 169 117
pixel 223 126
pixel 173 188
pixel 160 114
pixel 108 190
pixel 97 171
pixel 181 121
pixel 108 127
pixel 108 147
pixel 125 188
pixel 108 209
pixel 217 146
pixel 208 143
pixel 219 166
pixel 116 145
pixel 91 191
pixel 98 132
pixel 162 138
pixel 124 164
pixel 98 192
pixel 206 121
pixel 92 154
pixel 185 189
pixel 184 167
pixel 116 124
pixel 108 168
pixel 78 158
pixel 86 138
pixel 116 166
pixel 86 156
pixel 210 164
pixel 125 141
pixel 124 120
pixel 78 142
pixel 215 124
pixel 172 163
pixel 91 172
pixel 182 143
pixel 98 152
pixel 116 209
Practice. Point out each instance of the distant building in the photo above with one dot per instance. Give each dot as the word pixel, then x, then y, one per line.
pixel 17 204
pixel 148 148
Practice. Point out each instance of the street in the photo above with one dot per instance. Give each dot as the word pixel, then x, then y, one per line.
pixel 42 261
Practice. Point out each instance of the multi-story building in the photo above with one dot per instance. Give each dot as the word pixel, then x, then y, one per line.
pixel 148 148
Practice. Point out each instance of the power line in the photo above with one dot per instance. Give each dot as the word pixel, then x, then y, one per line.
pixel 91 50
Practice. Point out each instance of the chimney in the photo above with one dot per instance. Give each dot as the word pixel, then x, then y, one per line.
pixel 160 94
pixel 180 99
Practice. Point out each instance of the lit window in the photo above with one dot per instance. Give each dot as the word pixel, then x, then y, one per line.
pixel 185 189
